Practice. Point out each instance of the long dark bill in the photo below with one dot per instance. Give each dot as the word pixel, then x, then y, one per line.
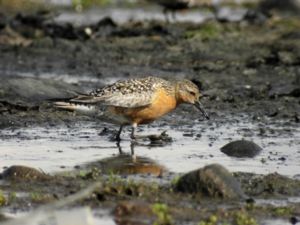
pixel 201 108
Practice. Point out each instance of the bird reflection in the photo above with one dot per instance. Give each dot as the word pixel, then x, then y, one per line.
pixel 127 163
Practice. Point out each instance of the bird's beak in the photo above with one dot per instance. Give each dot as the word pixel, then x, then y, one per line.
pixel 201 108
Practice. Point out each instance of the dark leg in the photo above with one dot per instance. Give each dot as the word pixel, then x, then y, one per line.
pixel 132 135
pixel 118 138
pixel 132 145
pixel 120 148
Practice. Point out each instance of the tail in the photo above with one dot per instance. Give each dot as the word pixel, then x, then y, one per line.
pixel 85 104
pixel 87 109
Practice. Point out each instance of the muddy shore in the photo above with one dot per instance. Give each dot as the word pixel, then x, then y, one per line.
pixel 249 72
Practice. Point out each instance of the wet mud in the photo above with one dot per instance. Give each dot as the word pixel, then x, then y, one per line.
pixel 249 74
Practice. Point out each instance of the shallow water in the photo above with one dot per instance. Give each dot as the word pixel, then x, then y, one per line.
pixel 59 148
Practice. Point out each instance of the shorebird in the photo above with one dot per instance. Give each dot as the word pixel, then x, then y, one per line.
pixel 135 101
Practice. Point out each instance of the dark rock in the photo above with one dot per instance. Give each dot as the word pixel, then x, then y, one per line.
pixel 241 148
pixel 213 180
pixel 294 220
pixel 23 173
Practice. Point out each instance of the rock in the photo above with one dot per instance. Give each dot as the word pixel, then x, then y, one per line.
pixel 23 173
pixel 213 180
pixel 294 220
pixel 241 148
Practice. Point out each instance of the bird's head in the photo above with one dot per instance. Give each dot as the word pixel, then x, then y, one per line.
pixel 188 92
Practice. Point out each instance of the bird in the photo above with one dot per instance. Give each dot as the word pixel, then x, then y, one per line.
pixel 135 101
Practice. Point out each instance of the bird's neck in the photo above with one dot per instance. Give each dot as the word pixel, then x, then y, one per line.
pixel 178 97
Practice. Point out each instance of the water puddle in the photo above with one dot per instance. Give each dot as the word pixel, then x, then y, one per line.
pixel 61 148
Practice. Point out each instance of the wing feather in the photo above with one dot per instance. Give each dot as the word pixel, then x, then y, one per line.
pixel 130 100
pixel 131 93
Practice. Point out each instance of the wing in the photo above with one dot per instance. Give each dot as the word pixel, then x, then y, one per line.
pixel 129 93
pixel 132 100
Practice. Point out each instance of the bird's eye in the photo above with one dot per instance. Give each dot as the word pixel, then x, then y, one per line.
pixel 192 93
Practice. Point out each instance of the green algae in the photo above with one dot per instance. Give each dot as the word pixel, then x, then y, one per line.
pixel 2 199
pixel 206 31
pixel 162 212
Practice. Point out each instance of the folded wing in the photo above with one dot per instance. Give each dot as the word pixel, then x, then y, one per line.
pixel 129 100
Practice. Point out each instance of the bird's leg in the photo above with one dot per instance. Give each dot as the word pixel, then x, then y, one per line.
pixel 151 137
pixel 132 135
pixel 120 148
pixel 118 138
pixel 132 145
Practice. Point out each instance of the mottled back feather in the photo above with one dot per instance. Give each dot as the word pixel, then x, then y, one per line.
pixel 128 93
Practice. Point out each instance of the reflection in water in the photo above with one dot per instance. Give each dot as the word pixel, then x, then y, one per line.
pixel 125 163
